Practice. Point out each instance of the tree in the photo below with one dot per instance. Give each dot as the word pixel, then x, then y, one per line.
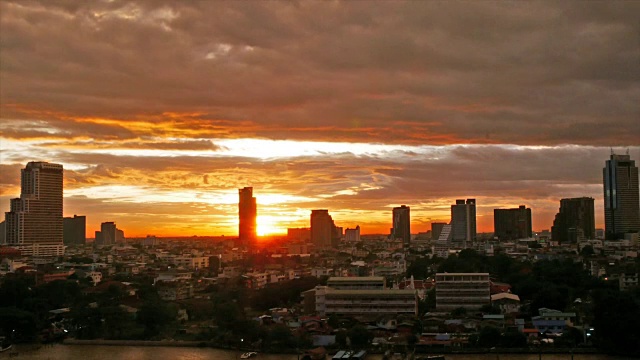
pixel 489 337
pixel 155 316
pixel 587 251
pixel 17 324
pixel 359 336
pixel 458 312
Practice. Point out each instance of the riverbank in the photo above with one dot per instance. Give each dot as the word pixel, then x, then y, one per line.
pixel 419 350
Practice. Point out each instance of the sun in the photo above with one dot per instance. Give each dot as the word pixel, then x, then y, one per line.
pixel 268 225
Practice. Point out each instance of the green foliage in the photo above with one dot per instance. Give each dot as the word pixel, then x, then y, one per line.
pixel 17 324
pixel 616 315
pixel 490 309
pixel 359 335
pixel 155 317
pixel 458 312
pixel 282 294
pixel 513 339
pixel 489 337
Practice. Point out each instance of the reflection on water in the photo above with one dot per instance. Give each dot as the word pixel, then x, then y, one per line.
pixel 94 352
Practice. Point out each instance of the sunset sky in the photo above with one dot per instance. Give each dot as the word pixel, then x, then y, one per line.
pixel 160 110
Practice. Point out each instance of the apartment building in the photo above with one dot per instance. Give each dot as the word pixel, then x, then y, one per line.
pixel 462 290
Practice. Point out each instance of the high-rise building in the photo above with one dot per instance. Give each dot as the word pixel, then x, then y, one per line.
pixel 436 229
pixel 401 220
pixel 323 229
pixel 247 214
pixel 74 230
pixel 621 199
pixel 352 235
pixel 107 234
pixel 512 224
pixel 463 223
pixel 575 221
pixel 34 222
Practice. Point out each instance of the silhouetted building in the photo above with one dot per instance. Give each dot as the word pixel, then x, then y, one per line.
pixel 247 214
pixel 621 200
pixel 34 222
pixel 352 235
pixel 463 223
pixel 299 234
pixel 323 229
pixel 512 224
pixel 575 221
pixel 436 229
pixel 106 235
pixel 3 233
pixel 74 230
pixel 401 220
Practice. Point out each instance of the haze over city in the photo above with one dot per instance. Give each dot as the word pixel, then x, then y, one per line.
pixel 160 112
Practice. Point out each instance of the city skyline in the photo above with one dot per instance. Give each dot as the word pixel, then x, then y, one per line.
pixel 158 122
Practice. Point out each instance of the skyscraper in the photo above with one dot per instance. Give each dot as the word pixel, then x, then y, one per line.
pixel 621 200
pixel 74 230
pixel 34 222
pixel 247 214
pixel 575 220
pixel 463 223
pixel 401 220
pixel 512 224
pixel 323 232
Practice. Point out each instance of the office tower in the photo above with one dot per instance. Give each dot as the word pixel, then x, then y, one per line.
pixel 74 230
pixel 352 235
pixel 323 232
pixel 247 214
pixel 34 222
pixel 3 233
pixel 621 200
pixel 436 229
pixel 512 224
pixel 401 220
pixel 463 223
pixel 107 234
pixel 575 221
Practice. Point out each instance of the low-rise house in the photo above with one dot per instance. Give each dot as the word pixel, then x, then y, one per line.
pixel 507 302
pixel 552 321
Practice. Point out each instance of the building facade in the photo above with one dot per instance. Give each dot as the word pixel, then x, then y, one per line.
pixel 462 290
pixel 512 224
pixel 621 197
pixel 34 223
pixel 247 217
pixel 352 235
pixel 575 221
pixel 74 230
pixel 322 229
pixel 401 220
pixel 463 223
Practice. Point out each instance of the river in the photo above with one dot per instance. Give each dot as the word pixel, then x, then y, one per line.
pixel 96 352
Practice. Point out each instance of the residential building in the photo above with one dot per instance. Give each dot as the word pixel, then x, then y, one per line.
pixel 192 262
pixel 357 283
pixel 512 224
pixel 463 223
pixel 462 290
pixel 299 234
pixel 436 229
pixel 443 242
pixel 575 221
pixel 366 303
pixel 621 197
pixel 323 230
pixel 401 220
pixel 247 217
pixel 352 235
pixel 107 234
pixel 74 230
pixel 552 321
pixel 628 280
pixel 34 223
pixel 507 303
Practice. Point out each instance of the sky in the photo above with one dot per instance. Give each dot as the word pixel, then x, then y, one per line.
pixel 160 110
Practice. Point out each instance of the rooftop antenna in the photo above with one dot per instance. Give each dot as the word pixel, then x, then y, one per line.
pixel 627 151
pixel 611 151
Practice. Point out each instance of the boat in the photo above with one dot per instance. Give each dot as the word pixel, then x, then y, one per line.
pixel 5 344
pixel 360 355
pixel 248 355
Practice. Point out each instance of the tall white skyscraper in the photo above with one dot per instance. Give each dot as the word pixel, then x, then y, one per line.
pixel 34 223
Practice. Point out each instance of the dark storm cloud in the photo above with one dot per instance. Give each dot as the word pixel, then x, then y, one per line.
pixel 479 72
